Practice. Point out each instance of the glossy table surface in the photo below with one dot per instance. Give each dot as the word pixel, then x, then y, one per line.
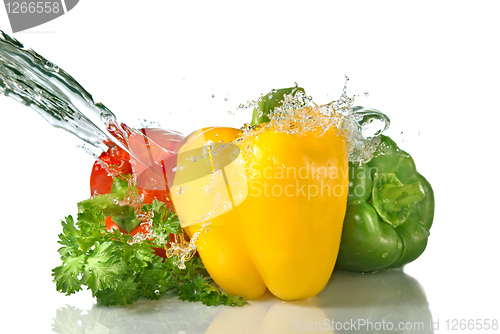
pixel 350 302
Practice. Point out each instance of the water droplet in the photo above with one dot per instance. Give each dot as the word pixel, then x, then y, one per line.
pixel 400 244
pixel 385 254
pixel 157 292
pixel 367 94
pixel 226 99
pixel 180 190
pixel 209 145
pixel 213 95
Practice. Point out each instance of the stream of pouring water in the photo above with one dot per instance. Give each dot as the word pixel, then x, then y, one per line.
pixel 36 82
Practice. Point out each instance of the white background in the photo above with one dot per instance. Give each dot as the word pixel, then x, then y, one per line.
pixel 432 67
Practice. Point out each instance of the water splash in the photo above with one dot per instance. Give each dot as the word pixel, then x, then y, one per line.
pixel 372 122
pixel 185 250
pixel 298 114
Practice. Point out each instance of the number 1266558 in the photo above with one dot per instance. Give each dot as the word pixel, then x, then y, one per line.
pixel 33 7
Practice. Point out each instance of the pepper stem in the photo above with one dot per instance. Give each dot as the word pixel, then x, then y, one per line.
pixel 396 197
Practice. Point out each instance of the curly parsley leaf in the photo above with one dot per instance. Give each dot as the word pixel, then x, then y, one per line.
pixel 119 269
pixel 67 276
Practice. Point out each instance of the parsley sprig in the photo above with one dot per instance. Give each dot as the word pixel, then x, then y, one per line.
pixel 119 269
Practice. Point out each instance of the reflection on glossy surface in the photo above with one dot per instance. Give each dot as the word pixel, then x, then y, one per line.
pixel 391 297
pixel 167 315
pixel 360 303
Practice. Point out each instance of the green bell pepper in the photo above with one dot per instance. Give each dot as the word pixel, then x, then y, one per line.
pixel 390 209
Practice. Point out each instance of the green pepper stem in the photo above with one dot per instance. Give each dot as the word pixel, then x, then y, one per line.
pixel 101 202
pixel 395 197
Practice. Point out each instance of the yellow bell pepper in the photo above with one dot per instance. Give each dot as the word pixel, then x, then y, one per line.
pixel 275 211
